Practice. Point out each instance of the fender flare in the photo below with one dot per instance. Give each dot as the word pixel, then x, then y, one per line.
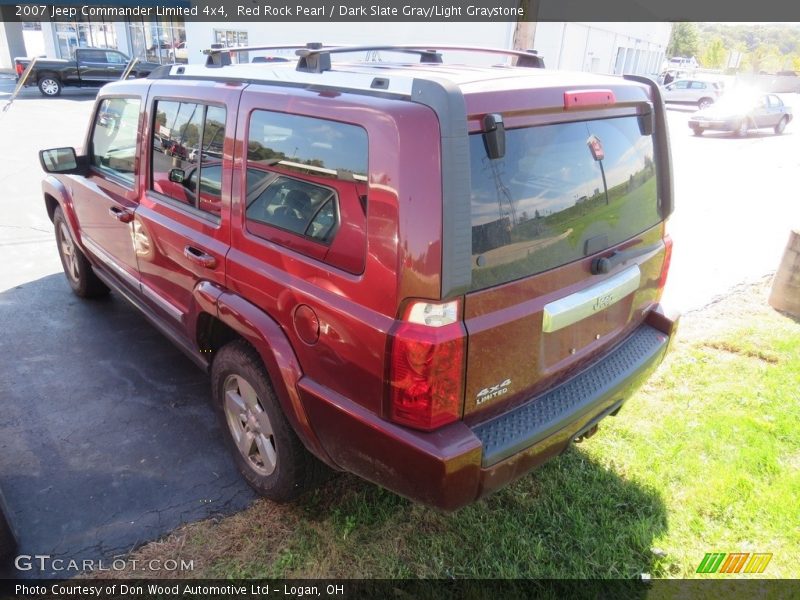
pixel 267 337
pixel 56 189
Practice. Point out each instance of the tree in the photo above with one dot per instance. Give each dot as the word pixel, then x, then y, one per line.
pixel 714 55
pixel 764 58
pixel 683 41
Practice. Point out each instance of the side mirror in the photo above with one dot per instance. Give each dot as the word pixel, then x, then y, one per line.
pixel 177 175
pixel 63 161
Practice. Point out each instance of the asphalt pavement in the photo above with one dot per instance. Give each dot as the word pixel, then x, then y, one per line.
pixel 107 436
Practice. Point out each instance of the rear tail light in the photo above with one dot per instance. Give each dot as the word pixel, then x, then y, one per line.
pixel 20 69
pixel 426 366
pixel 662 281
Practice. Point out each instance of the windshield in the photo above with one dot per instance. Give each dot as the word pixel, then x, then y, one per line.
pixel 560 192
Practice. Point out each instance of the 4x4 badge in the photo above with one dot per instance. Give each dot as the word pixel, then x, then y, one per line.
pixel 493 391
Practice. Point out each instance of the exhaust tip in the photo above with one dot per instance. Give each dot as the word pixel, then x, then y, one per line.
pixel 586 434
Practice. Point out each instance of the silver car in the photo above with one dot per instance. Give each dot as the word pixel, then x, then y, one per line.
pixel 741 113
pixel 698 92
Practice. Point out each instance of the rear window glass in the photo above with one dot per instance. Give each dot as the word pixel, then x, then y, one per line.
pixel 557 188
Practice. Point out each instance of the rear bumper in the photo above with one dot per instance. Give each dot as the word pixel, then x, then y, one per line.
pixel 457 464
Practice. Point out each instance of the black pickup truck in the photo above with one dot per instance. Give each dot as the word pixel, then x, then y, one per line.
pixel 89 67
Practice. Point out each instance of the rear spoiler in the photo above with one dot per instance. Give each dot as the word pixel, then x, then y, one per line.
pixel 666 202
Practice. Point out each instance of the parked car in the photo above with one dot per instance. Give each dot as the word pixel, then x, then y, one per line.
pixel 740 114
pixel 179 53
pixel 422 274
pixel 683 63
pixel 89 67
pixel 784 82
pixel 699 92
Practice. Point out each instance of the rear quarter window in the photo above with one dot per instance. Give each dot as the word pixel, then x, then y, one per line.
pixel 537 207
pixel 307 186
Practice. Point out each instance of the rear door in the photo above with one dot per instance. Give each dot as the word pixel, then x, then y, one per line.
pixel 116 62
pixel 93 66
pixel 182 226
pixel 700 89
pixel 563 196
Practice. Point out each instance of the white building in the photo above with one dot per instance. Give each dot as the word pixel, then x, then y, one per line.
pixel 637 48
pixel 597 47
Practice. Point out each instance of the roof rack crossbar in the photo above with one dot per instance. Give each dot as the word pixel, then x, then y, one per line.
pixel 220 56
pixel 430 52
pixel 315 57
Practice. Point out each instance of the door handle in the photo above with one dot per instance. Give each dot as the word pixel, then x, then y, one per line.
pixel 199 257
pixel 121 214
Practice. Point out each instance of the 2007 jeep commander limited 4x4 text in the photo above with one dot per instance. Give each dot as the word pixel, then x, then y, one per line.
pixel 433 275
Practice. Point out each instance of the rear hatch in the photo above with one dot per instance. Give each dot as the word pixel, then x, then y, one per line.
pixel 542 305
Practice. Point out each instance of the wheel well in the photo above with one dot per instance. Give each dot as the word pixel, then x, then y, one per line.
pixel 213 334
pixel 50 74
pixel 51 204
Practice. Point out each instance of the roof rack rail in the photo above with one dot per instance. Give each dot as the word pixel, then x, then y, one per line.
pixel 315 57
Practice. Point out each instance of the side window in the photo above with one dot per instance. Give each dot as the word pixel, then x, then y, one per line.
pixel 775 101
pixel 115 58
pixel 187 153
pixel 114 137
pixel 698 85
pixel 92 56
pixel 307 177
pixel 680 85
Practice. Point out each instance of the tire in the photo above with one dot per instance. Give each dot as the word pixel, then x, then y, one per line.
pixel 78 271
pixel 50 86
pixel 704 103
pixel 780 126
pixel 697 130
pixel 8 538
pixel 268 453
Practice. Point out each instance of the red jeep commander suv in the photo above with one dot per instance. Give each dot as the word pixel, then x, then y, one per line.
pixel 430 274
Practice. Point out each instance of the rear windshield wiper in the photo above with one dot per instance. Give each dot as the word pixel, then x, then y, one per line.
pixel 604 264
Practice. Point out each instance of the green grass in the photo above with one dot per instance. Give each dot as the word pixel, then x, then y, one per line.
pixel 705 458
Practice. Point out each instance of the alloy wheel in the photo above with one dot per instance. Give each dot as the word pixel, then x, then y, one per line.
pixel 249 425
pixel 69 254
pixel 49 87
